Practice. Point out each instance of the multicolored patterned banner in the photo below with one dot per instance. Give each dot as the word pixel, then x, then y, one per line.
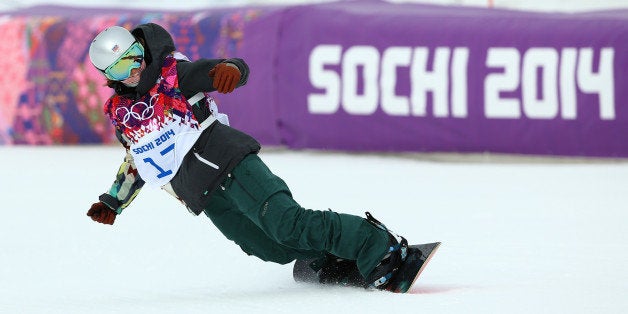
pixel 352 75
pixel 50 92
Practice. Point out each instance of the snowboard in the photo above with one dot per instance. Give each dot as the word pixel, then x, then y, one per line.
pixel 418 257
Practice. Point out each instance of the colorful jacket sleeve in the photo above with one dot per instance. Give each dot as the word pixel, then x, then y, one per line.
pixel 127 184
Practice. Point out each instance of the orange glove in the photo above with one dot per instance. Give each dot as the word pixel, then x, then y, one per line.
pixel 226 77
pixel 102 213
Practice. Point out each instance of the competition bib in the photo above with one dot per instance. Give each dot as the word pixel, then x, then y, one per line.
pixel 159 154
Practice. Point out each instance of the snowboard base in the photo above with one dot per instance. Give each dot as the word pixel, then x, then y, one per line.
pixel 419 256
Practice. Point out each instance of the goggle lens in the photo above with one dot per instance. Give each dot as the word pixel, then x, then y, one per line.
pixel 131 59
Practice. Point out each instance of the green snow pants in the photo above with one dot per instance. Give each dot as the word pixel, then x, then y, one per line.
pixel 255 209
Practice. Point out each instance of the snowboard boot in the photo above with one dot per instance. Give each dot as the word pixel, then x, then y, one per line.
pixel 397 253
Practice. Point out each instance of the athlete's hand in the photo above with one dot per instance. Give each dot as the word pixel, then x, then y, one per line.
pixel 226 77
pixel 102 213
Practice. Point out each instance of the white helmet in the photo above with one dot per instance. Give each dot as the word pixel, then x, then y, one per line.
pixel 109 45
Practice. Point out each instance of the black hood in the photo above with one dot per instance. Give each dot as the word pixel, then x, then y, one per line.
pixel 158 44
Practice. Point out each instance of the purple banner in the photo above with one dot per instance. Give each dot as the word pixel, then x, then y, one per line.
pixel 428 78
pixel 350 75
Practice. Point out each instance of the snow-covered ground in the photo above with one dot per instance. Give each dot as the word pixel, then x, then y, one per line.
pixel 518 237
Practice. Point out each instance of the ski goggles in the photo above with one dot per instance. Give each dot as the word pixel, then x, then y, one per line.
pixel 131 59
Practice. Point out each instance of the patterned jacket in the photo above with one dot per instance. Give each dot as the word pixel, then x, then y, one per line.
pixel 216 152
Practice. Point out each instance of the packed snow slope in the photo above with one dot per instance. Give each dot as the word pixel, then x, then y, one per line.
pixel 522 236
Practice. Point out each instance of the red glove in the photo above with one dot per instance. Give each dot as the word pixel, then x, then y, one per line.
pixel 226 77
pixel 102 213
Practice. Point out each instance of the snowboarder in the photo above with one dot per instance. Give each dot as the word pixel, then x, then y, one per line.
pixel 175 139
